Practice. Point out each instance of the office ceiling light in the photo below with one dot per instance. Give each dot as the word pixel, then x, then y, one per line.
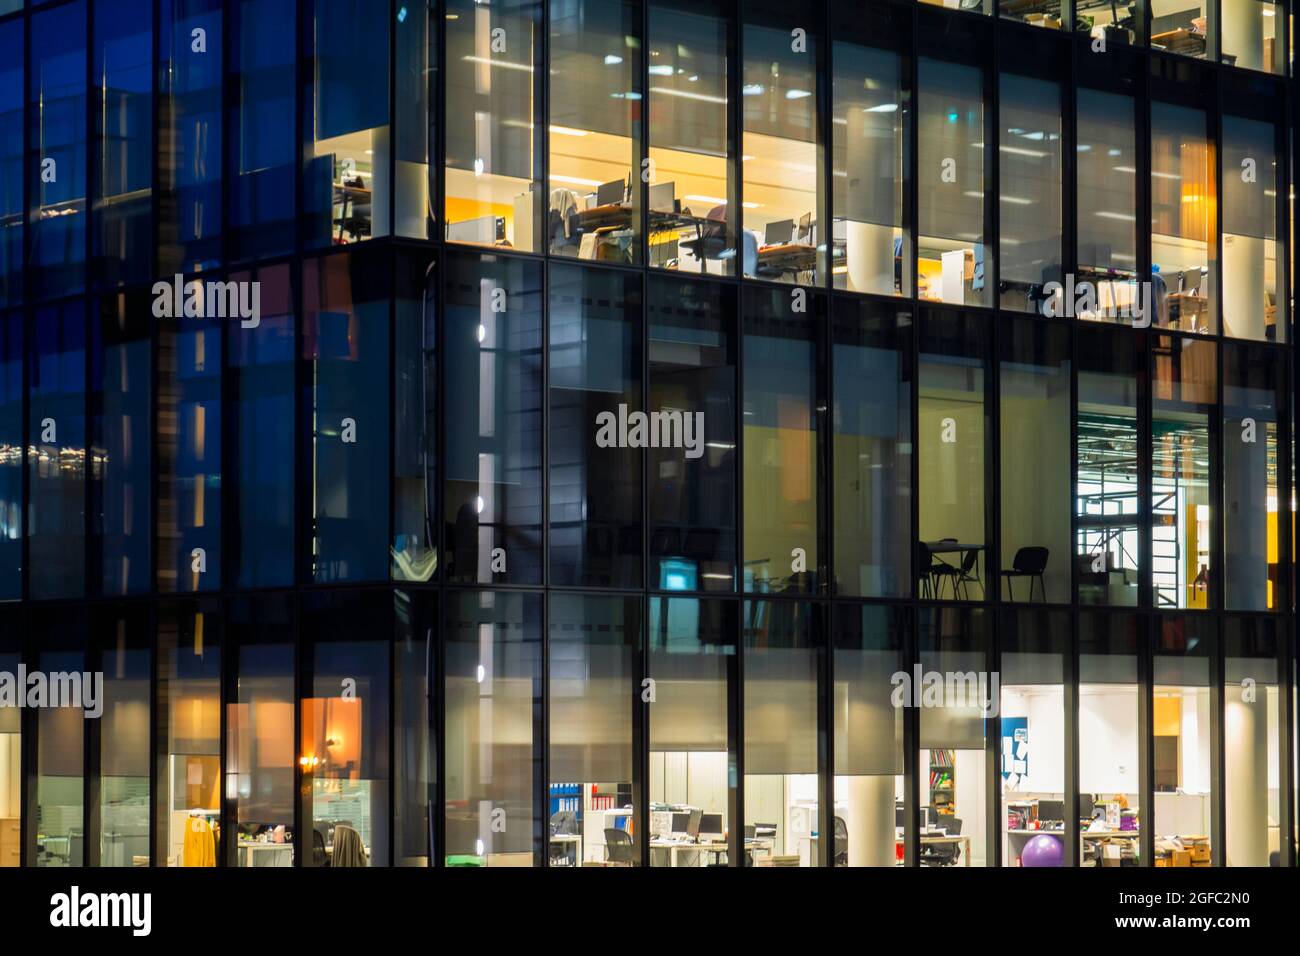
pixel 567 131
pixel 661 71
pixel 612 60
pixel 574 180
pixel 1017 200
pixel 504 64
pixel 1021 151
pixel 1106 214
pixel 882 108
pixel 751 89
pixel 796 94
pixel 1157 174
pixel 751 205
pixel 689 95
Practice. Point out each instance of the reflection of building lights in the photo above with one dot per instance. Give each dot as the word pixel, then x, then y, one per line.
pixel 480 674
pixel 478 504
pixel 482 332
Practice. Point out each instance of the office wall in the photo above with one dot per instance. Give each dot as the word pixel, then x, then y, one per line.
pixel 1108 740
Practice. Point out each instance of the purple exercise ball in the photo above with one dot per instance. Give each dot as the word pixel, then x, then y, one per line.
pixel 1043 850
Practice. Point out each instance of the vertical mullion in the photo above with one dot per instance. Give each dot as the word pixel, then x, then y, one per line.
pixel 994 818
pixel 1070 679
pixel 912 768
pixel 1218 777
pixel 1148 624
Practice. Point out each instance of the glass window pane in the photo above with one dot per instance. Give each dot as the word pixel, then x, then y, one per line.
pixel 1184 281
pixel 784 643
pixel 1252 522
pixel 345 340
pixel 781 153
pixel 189 454
pixel 952 792
pixel 1253 307
pixel 60 749
pixel 692 179
pixel 692 753
pixel 123 170
pixel 1108 738
pixel 868 649
pixel 261 131
pixel 950 421
pixel 595 387
pixel 1180 715
pixel 189 135
pixel 1252 762
pixel 872 449
pixel 189 735
pixel 1180 27
pixel 11 746
pixel 594 67
pixel 57 151
pixel 692 501
pixel 415 431
pixel 953 259
pixel 1109 22
pixel 494 193
pixel 493 717
pixel 1033 646
pixel 121 418
pixel 11 161
pixel 1029 172
pixel 871 113
pixel 415 78
pixel 416 620
pixel 782 438
pixel 260 379
pixel 594 651
pixel 1106 155
pixel 1038 13
pixel 1251 34
pixel 259 733
pixel 346 175
pixel 1108 549
pixel 11 455
pixel 124 651
pixel 56 463
pixel 1182 551
pixel 345 725
pixel 492 491
pixel 1034 379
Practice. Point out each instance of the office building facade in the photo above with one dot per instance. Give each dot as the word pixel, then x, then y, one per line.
pixel 605 432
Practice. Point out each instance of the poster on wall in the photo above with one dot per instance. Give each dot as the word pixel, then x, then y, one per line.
pixel 1015 751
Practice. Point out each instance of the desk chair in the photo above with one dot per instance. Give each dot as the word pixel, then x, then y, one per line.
pixel 618 846
pixel 841 857
pixel 958 575
pixel 943 854
pixel 318 855
pixel 710 240
pixel 927 568
pixel 1030 563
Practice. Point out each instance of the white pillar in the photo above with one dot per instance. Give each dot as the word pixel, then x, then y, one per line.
pixel 1245 792
pixel 870 819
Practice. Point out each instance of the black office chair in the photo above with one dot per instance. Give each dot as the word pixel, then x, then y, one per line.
pixel 841 857
pixel 928 567
pixel 618 846
pixel 964 577
pixel 1029 563
pixel 943 854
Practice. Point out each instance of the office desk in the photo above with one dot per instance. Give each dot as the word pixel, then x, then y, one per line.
pixel 933 839
pixel 674 848
pixel 787 257
pixel 266 854
pixel 1181 40
pixel 567 840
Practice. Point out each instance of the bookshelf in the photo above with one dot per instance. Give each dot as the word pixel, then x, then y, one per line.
pixel 942 781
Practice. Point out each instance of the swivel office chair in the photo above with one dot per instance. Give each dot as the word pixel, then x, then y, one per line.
pixel 618 846
pixel 841 856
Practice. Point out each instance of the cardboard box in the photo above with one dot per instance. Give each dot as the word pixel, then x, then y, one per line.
pixel 1200 853
pixel 1181 858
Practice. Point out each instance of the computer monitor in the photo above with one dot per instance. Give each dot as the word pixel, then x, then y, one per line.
pixel 711 823
pixel 1051 811
pixel 900 816
pixel 607 194
pixel 681 821
pixel 663 197
pixel 1192 281
pixel 693 824
pixel 778 232
pixel 1086 804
